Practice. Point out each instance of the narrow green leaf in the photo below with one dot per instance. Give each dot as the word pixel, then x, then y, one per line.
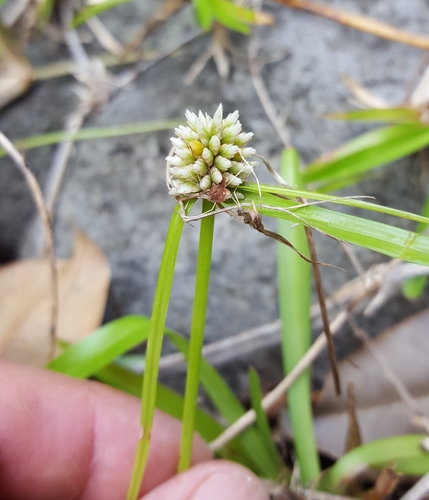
pixel 197 336
pixel 233 16
pixel 111 340
pixel 261 418
pixel 376 137
pixel 203 9
pixel 94 10
pixel 413 138
pixel 399 115
pixel 171 403
pixel 413 288
pixel 403 453
pixel 154 346
pixel 37 141
pixel 280 191
pixel 231 409
pixel 167 400
pixel 294 285
pixel 388 240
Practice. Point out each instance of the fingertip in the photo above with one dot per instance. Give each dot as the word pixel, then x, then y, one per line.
pixel 211 481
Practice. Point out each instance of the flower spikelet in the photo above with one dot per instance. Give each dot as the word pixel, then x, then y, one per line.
pixel 209 156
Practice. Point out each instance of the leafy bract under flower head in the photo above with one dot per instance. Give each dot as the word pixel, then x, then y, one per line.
pixel 209 156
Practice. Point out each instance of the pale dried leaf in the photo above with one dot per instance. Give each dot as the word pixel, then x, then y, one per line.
pixel 364 96
pixel 380 411
pixel 16 74
pixel 26 301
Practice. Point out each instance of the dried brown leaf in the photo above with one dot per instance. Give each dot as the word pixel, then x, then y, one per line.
pixel 26 301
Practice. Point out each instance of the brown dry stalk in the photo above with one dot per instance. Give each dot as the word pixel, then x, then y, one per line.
pixel 361 23
pixel 272 397
pixel 323 310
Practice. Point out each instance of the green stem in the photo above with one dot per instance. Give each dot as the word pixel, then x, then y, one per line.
pixel 197 336
pixel 154 345
pixel 294 282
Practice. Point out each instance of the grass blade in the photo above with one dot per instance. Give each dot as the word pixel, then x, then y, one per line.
pixel 93 10
pixel 197 336
pixel 261 418
pixel 37 141
pixel 409 139
pixel 413 288
pixel 268 191
pixel 399 115
pixel 231 409
pixel 294 285
pixel 388 240
pixel 403 453
pixel 153 351
pixel 171 403
pixel 111 340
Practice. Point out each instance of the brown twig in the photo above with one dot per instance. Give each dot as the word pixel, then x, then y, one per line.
pixel 323 310
pixel 361 23
pixel 36 193
pixel 317 279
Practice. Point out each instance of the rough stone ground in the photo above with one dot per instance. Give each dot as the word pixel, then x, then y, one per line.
pixel 115 189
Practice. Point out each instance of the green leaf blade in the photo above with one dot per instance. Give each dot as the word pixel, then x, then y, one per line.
pixel 399 115
pixel 403 453
pixel 110 341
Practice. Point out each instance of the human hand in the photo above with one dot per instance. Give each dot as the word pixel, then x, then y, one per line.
pixel 62 438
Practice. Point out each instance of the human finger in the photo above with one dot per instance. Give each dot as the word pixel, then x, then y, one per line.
pixel 66 438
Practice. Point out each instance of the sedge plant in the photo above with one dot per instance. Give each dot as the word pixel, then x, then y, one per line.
pixel 211 161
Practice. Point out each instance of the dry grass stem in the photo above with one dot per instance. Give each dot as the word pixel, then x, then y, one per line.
pixel 323 310
pixel 261 90
pixel 217 48
pixel 364 96
pixel 228 348
pixel 36 193
pixel 360 23
pixel 104 37
pixel 271 398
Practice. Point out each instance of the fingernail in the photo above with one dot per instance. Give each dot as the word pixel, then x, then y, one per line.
pixel 237 485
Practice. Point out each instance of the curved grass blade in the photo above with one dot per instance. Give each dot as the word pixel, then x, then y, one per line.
pixel 93 10
pixel 412 138
pixel 388 240
pixel 294 194
pixel 403 453
pixel 108 342
pixel 367 140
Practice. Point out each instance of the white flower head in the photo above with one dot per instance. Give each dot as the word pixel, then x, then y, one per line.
pixel 209 156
